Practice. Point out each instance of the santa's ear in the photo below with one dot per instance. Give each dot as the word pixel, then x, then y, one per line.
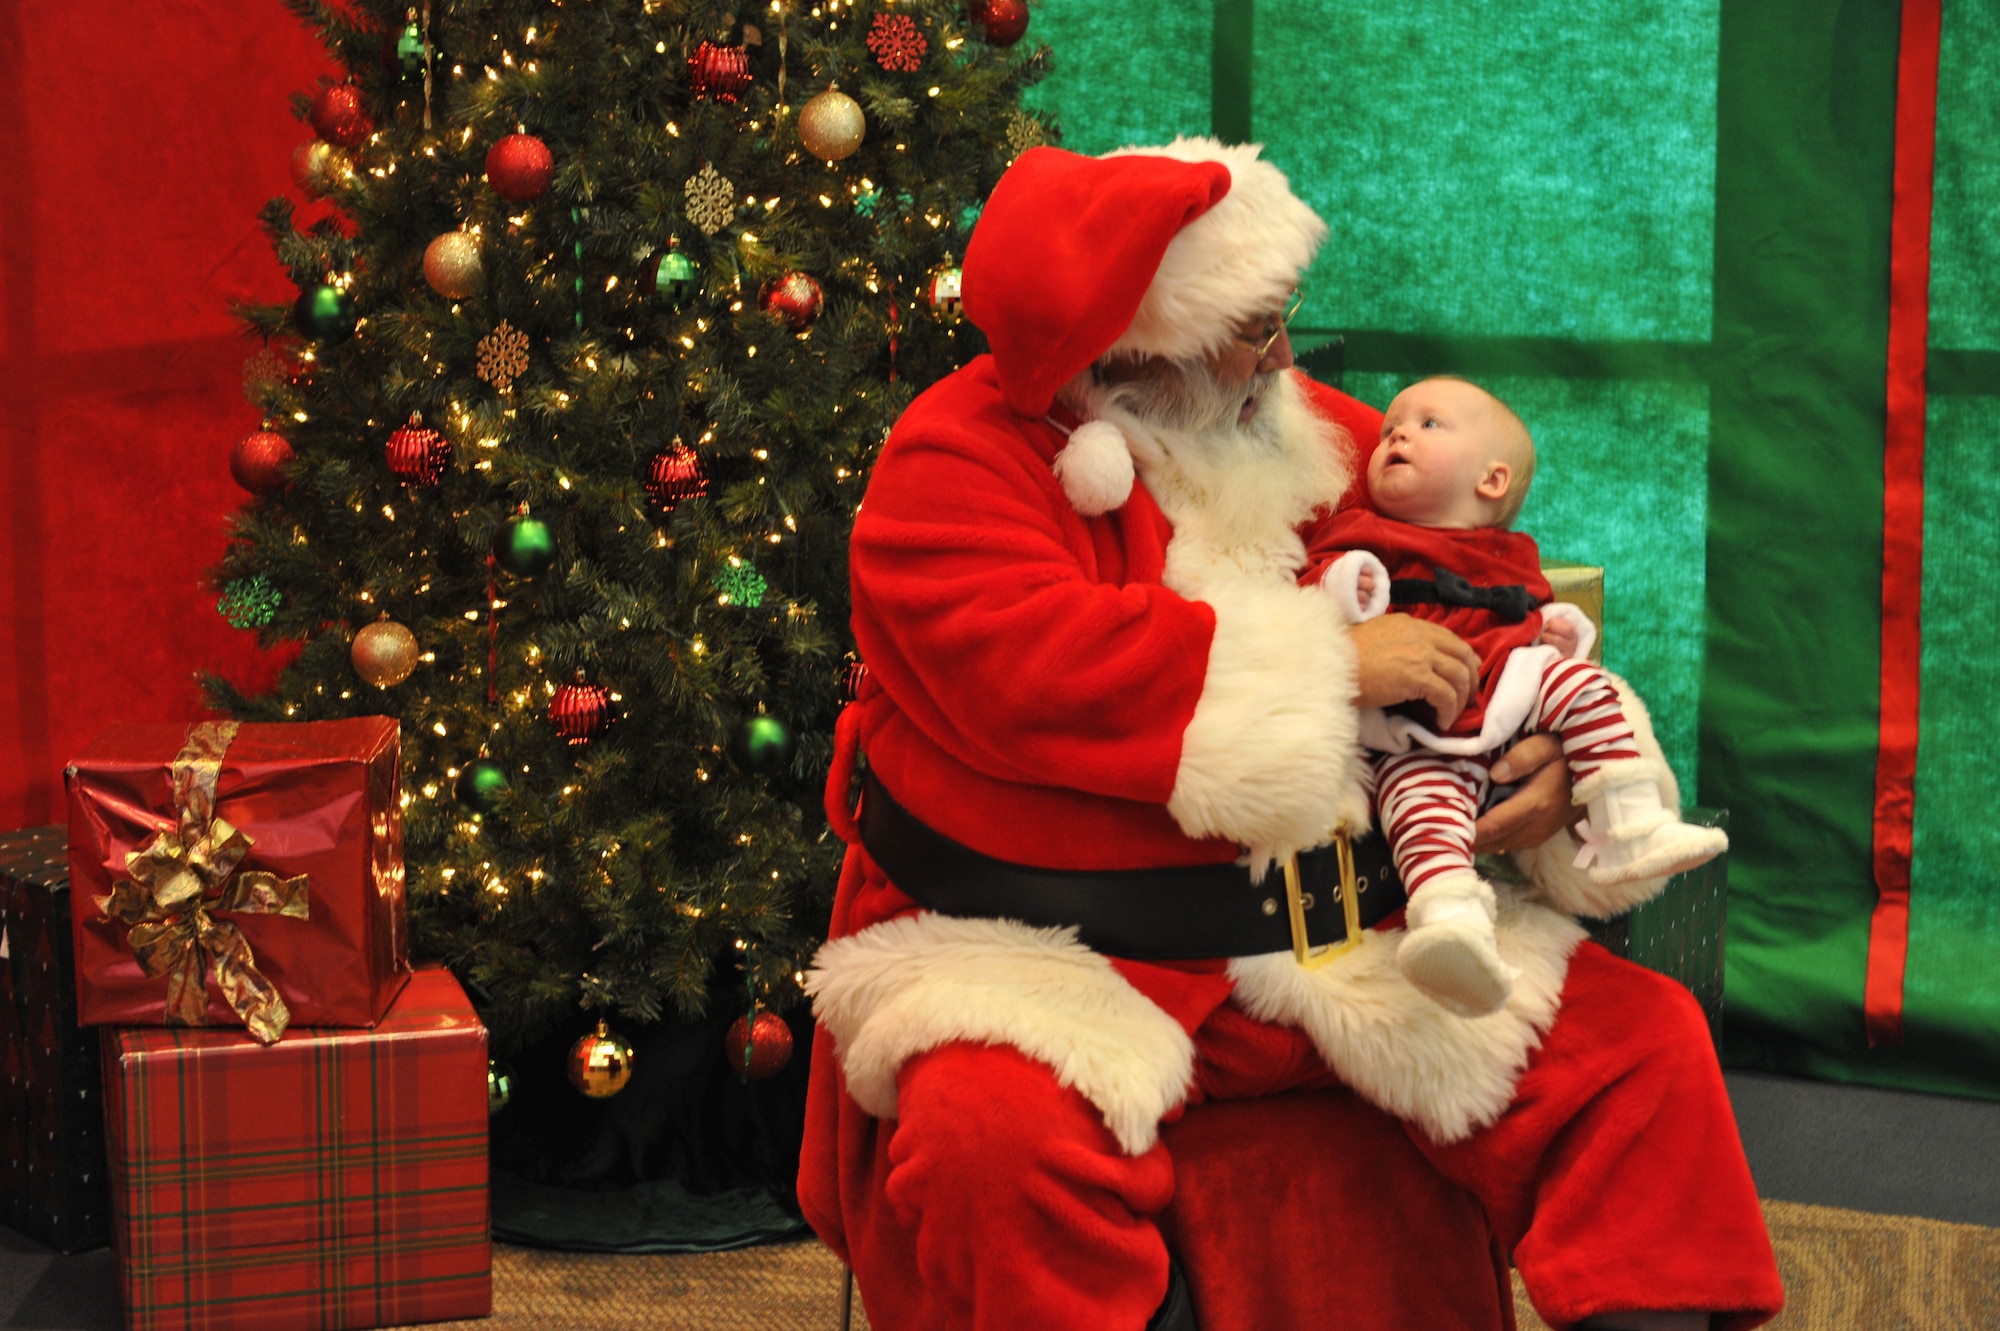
pixel 1493 485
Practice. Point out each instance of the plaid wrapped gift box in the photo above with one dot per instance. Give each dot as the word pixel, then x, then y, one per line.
pixel 52 1182
pixel 335 1179
pixel 238 874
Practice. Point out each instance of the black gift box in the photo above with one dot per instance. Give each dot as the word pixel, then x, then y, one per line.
pixel 52 1163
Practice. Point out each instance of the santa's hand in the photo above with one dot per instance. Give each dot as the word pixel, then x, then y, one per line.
pixel 1401 659
pixel 1560 634
pixel 1540 805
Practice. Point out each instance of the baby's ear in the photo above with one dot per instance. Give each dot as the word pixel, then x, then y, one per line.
pixel 1493 485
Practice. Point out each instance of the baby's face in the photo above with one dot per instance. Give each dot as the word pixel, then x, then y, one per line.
pixel 1436 464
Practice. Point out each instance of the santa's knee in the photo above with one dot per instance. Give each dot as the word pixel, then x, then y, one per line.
pixel 984 1131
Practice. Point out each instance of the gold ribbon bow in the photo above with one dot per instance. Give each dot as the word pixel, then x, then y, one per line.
pixel 181 877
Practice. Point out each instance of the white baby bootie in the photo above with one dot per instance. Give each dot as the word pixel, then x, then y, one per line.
pixel 1631 836
pixel 1449 951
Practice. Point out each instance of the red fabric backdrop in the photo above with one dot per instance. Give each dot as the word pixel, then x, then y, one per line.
pixel 136 144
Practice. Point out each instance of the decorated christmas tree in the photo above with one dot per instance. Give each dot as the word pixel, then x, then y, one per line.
pixel 605 308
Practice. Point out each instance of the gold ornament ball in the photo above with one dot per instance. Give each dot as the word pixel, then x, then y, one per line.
pixel 315 168
pixel 451 265
pixel 384 653
pixel 600 1063
pixel 831 125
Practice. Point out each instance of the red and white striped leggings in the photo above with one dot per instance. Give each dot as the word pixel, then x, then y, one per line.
pixel 1429 801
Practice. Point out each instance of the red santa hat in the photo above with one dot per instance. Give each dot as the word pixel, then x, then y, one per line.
pixel 1153 251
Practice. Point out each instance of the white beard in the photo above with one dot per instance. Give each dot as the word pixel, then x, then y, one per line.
pixel 1235 494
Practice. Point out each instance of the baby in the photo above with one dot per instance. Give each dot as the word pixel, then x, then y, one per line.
pixel 1449 477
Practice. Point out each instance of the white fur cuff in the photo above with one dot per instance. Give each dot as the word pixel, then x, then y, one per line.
pixel 919 982
pixel 1342 581
pixel 1586 630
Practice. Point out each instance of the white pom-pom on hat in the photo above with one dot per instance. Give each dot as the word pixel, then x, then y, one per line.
pixel 1095 468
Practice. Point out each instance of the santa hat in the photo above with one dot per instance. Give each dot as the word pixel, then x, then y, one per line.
pixel 1153 251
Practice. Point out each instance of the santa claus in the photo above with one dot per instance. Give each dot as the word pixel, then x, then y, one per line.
pixel 1099 788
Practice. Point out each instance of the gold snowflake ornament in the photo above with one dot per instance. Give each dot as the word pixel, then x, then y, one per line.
pixel 1024 132
pixel 503 356
pixel 711 200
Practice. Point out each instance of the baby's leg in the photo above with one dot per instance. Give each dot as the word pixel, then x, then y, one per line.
pixel 1632 837
pixel 1428 803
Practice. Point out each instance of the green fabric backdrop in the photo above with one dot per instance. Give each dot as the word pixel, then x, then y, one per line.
pixel 1660 228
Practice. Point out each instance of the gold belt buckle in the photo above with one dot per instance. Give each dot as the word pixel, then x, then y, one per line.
pixel 1350 907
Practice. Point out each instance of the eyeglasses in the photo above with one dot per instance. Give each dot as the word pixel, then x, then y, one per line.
pixel 1284 320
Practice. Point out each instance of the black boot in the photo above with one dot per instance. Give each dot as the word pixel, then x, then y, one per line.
pixel 1176 1312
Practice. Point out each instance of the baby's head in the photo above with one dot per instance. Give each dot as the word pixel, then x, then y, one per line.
pixel 1452 455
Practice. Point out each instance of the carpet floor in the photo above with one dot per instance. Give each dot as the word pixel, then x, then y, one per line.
pixel 1843 1270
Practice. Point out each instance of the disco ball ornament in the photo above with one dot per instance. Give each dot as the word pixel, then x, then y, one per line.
pixel 580 712
pixel 315 168
pixel 481 784
pixel 1002 21
pixel 324 313
pixel 600 1063
pixel 417 455
pixel 409 52
pixel 452 265
pixel 675 476
pixel 258 462
pixel 525 546
pixel 519 168
pixel 720 72
pixel 762 745
pixel 338 116
pixel 672 278
pixel 384 653
pixel 760 1048
pixel 794 298
pixel 831 125
pixel 945 292
pixel 499 1086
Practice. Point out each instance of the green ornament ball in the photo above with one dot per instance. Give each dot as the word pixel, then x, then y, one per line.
pixel 525 547
pixel 674 278
pixel 481 785
pixel 324 313
pixel 763 745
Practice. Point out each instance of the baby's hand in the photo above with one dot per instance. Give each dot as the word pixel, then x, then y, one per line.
pixel 1364 584
pixel 1560 634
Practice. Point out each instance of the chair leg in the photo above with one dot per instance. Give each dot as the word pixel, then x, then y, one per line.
pixel 847 1299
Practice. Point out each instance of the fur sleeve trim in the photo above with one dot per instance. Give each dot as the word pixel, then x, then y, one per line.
pixel 1551 866
pixel 1400 1051
pixel 1342 581
pixel 1586 629
pixel 921 981
pixel 1271 759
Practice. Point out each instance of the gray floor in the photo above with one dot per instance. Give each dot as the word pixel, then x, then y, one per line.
pixel 1891 1152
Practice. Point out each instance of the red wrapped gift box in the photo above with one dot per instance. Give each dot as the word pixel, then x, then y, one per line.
pixel 233 875
pixel 336 1179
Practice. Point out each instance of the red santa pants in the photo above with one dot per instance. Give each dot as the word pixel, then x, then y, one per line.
pixel 998 1200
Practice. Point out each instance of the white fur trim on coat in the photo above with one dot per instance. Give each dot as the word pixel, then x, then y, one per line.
pixel 1507 710
pixel 1095 468
pixel 918 982
pixel 1551 866
pixel 1239 259
pixel 1271 759
pixel 1399 1050
pixel 1580 620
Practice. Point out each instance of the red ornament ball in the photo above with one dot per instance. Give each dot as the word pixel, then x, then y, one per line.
pixel 759 1049
pixel 1004 20
pixel 519 168
pixel 794 298
pixel 720 72
pixel 675 476
pixel 580 712
pixel 258 462
pixel 852 671
pixel 338 116
pixel 417 455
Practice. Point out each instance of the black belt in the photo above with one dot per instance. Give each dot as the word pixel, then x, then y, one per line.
pixel 1171 914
